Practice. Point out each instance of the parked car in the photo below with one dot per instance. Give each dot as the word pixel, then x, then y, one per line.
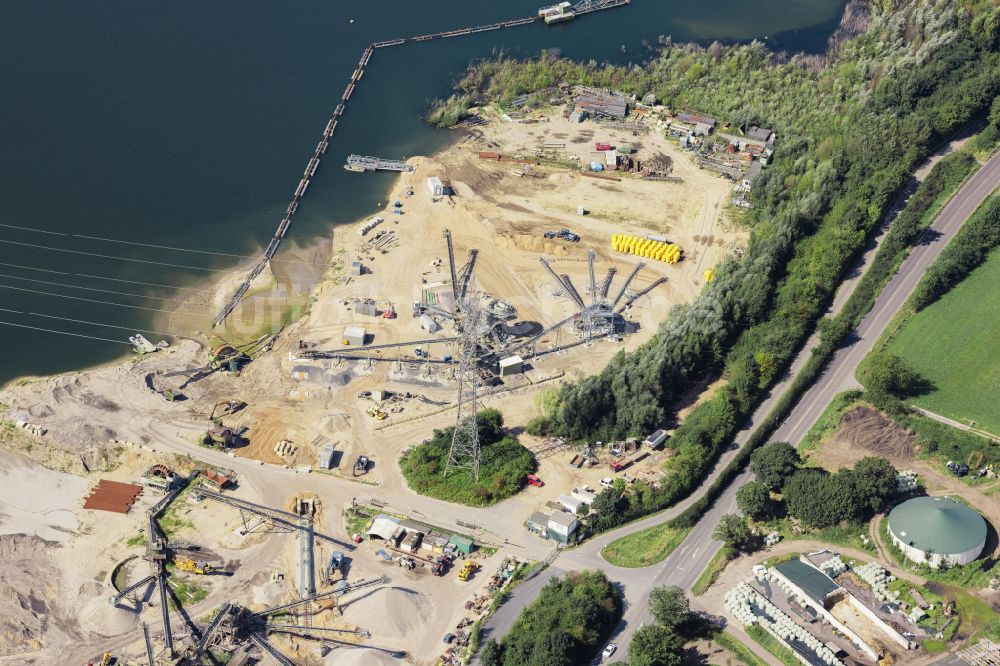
pixel 609 650
pixel 535 481
pixel 607 482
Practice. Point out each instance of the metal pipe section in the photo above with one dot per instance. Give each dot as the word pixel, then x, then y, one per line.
pixel 168 638
pixel 451 266
pixel 628 281
pixel 591 255
pixel 307 572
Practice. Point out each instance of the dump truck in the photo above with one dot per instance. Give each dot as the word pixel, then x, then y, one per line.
pixel 468 569
pixel 619 464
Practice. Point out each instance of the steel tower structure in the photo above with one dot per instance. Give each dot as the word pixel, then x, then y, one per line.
pixel 464 453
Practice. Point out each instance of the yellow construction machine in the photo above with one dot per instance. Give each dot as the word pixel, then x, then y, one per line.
pixel 189 565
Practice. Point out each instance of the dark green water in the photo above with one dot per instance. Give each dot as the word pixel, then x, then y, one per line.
pixel 189 123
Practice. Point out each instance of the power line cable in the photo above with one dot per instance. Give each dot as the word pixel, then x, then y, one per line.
pixel 93 300
pixel 112 256
pixel 165 247
pixel 75 335
pixel 93 323
pixel 103 277
pixel 152 245
pixel 75 286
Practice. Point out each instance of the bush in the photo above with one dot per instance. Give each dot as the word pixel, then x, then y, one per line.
pixel 734 532
pixel 445 113
pixel 821 499
pixel 567 624
pixel 754 500
pixel 503 467
pixel 886 377
pixel 655 645
pixel 774 463
pixel 669 606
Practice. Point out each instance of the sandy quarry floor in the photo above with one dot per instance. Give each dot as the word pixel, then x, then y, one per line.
pixel 112 421
pixel 49 515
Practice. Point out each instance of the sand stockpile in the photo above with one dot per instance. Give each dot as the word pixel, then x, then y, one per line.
pixel 48 515
pixel 30 599
pixel 359 657
pixel 531 243
pixel 98 617
pixel 389 612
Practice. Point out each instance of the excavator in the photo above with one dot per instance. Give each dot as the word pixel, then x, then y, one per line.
pixel 225 408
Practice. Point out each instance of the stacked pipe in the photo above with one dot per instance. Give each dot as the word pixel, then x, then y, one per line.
pixel 646 247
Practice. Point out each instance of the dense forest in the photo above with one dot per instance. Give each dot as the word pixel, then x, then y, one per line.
pixel 850 128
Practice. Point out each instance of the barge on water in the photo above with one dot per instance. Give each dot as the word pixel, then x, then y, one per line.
pixel 557 13
pixel 362 163
pixel 566 11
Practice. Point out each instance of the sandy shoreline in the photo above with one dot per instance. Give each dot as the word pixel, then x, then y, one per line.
pixel 218 288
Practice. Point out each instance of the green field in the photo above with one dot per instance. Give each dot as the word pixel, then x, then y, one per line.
pixel 954 344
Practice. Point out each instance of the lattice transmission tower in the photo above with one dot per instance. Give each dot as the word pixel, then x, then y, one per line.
pixel 464 453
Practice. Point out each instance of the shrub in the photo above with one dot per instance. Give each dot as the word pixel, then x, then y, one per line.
pixel 754 500
pixel 774 463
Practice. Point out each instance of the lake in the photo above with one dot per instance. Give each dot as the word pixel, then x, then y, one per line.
pixel 187 124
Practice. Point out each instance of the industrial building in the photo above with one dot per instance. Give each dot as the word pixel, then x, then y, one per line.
pixel 428 323
pixel 439 187
pixel 354 336
pixel 328 457
pixel 512 365
pixel 937 530
pixel 558 526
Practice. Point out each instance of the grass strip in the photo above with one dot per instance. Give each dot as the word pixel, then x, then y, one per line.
pixel 643 548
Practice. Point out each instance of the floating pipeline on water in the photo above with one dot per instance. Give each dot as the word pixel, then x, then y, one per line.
pixel 583 7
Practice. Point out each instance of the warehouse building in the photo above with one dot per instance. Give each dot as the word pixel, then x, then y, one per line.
pixel 937 530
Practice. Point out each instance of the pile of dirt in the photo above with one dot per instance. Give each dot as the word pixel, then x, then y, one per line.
pixel 389 611
pixel 31 613
pixel 532 243
pixel 866 429
pixel 360 657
